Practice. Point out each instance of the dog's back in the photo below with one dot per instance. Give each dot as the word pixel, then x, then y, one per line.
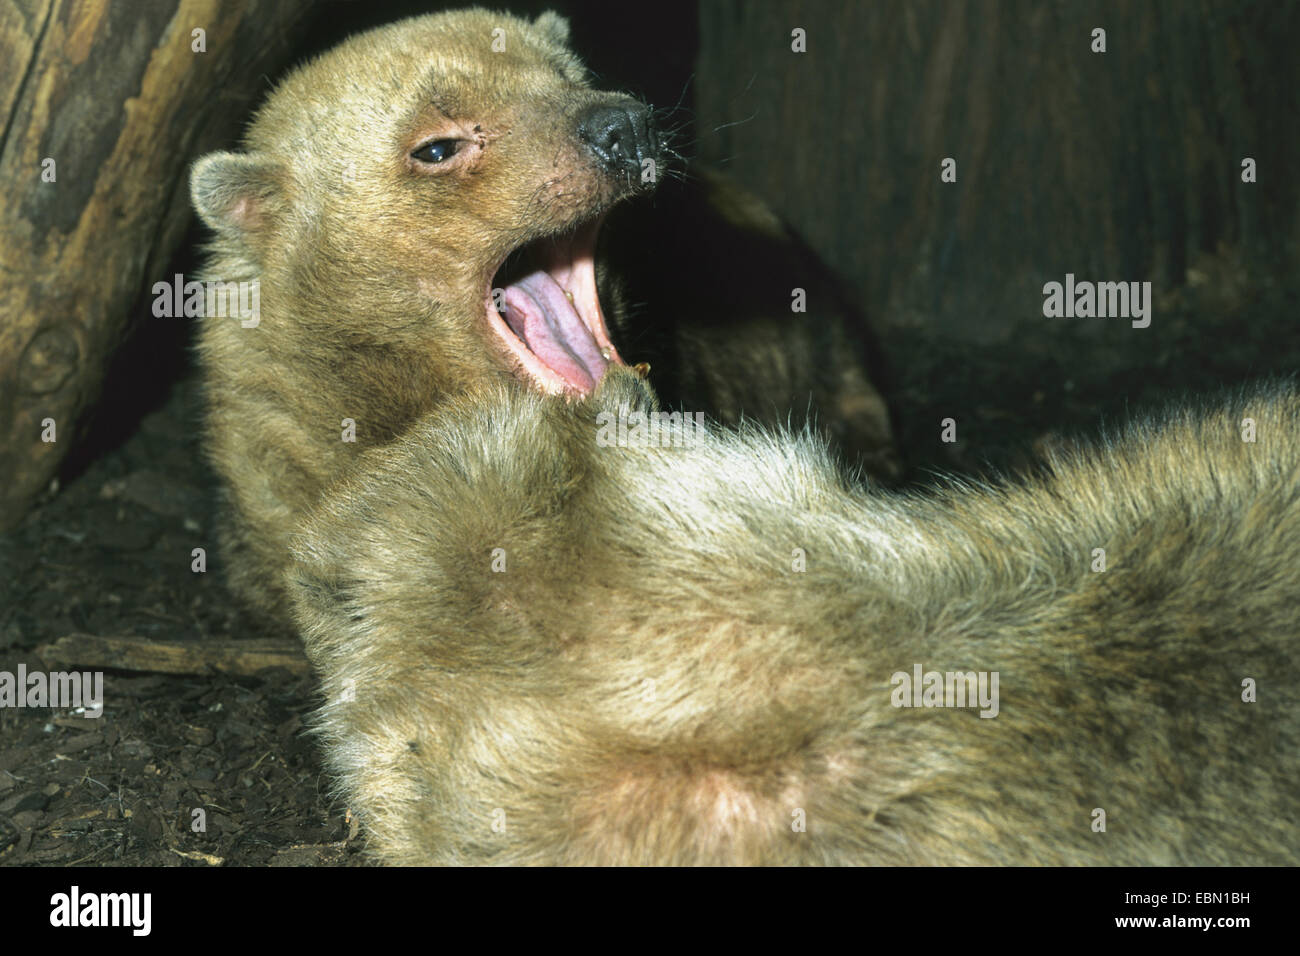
pixel 540 648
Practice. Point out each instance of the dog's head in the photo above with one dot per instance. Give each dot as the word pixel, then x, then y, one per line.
pixel 438 184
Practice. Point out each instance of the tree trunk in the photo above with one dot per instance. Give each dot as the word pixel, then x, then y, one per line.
pixel 104 105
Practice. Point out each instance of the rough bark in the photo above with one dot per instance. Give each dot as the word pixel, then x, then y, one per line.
pixel 104 106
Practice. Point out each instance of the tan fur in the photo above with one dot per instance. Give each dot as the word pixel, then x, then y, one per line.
pixel 649 680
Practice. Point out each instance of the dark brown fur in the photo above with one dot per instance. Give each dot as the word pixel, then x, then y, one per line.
pixel 650 680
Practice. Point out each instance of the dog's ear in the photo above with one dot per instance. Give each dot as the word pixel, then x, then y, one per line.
pixel 554 27
pixel 235 193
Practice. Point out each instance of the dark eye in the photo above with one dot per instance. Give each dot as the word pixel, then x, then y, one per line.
pixel 437 151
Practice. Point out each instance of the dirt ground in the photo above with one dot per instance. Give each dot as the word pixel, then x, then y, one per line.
pixel 108 552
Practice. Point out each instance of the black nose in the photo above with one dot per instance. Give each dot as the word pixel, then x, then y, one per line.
pixel 621 137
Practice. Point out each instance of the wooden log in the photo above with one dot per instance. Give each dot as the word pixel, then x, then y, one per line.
pixel 105 105
pixel 209 656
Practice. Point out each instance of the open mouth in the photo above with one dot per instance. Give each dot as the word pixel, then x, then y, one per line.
pixel 551 322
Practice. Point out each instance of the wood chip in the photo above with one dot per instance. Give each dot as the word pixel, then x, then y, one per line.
pixel 228 656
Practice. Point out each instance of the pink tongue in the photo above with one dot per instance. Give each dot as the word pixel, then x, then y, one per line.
pixel 539 313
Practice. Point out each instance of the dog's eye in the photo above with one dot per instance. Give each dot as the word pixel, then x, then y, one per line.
pixel 438 151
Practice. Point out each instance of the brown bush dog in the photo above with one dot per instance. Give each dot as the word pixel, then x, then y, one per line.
pixel 641 676
pixel 385 190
